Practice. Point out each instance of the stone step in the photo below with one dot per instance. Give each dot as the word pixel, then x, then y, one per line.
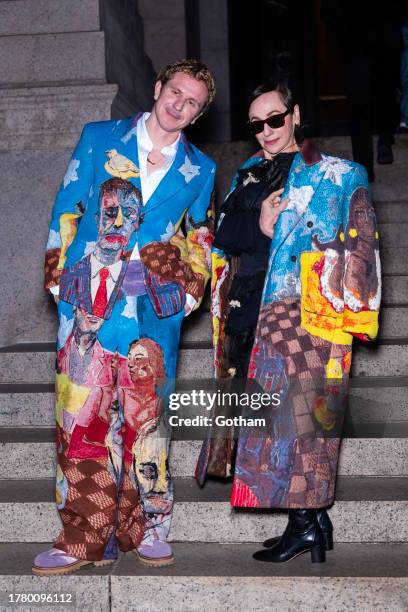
pixel 382 360
pixel 379 402
pixel 395 234
pixel 50 117
pixel 48 16
pixel 393 323
pixel 363 577
pixel 394 290
pixel 390 183
pixel 385 400
pixel 38 59
pixel 331 144
pixel 367 509
pixel 392 212
pixel 379 450
pixel 393 261
pixel 197 363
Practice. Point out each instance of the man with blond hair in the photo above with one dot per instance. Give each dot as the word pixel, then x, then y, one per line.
pixel 116 253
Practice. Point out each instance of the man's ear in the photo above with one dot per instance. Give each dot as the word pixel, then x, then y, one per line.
pixel 157 89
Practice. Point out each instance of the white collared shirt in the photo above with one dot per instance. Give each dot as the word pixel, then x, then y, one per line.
pixel 114 271
pixel 150 182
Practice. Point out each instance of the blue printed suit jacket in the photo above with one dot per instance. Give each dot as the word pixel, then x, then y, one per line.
pixel 185 193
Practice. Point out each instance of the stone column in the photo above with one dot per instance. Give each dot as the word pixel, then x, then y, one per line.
pixel 127 62
pixel 207 39
pixel 164 30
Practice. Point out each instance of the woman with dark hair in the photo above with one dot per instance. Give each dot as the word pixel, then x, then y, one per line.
pixel 243 229
pixel 296 274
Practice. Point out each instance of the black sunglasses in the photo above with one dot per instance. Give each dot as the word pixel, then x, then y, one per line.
pixel 274 121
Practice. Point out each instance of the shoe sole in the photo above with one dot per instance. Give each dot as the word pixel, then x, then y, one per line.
pixel 287 560
pixel 68 569
pixel 328 545
pixel 162 562
pixel 298 555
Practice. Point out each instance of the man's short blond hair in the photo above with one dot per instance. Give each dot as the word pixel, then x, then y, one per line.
pixel 193 68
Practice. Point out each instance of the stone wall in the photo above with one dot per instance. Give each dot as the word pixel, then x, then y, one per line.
pixel 127 60
pixel 164 30
pixel 63 62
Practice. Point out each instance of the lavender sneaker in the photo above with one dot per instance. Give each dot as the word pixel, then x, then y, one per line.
pixel 156 554
pixel 54 561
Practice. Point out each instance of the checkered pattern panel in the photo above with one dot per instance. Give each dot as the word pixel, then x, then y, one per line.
pixel 89 514
pixel 314 473
pixel 51 272
pixel 164 260
pixel 279 326
pixel 132 522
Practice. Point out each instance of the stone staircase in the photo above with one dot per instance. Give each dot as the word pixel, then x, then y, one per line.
pixel 368 570
pixel 52 73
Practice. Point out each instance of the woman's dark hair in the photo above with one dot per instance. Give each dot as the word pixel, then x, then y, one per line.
pixel 283 85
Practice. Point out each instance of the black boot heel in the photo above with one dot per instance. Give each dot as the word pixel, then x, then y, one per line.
pixel 303 534
pixel 325 525
pixel 318 554
pixel 328 540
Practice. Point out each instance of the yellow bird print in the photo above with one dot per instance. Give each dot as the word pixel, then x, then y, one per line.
pixel 120 166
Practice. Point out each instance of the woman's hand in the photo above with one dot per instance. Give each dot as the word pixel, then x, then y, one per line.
pixel 272 207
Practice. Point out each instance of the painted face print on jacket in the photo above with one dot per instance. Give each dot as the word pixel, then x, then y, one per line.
pixel 94 282
pixel 119 209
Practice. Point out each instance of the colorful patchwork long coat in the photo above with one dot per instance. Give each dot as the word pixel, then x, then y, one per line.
pixel 322 287
pixel 123 270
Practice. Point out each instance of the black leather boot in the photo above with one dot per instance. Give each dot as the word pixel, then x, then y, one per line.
pixel 325 525
pixel 302 534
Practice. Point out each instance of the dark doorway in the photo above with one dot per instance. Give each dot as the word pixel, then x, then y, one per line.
pixel 332 101
pixel 258 32
pixel 261 30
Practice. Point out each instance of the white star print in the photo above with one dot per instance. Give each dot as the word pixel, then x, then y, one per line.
pixel 71 174
pixel 129 135
pixel 169 233
pixel 189 170
pixel 299 198
pixel 334 168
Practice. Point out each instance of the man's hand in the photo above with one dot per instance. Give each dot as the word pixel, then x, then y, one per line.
pixel 55 293
pixel 190 303
pixel 272 207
